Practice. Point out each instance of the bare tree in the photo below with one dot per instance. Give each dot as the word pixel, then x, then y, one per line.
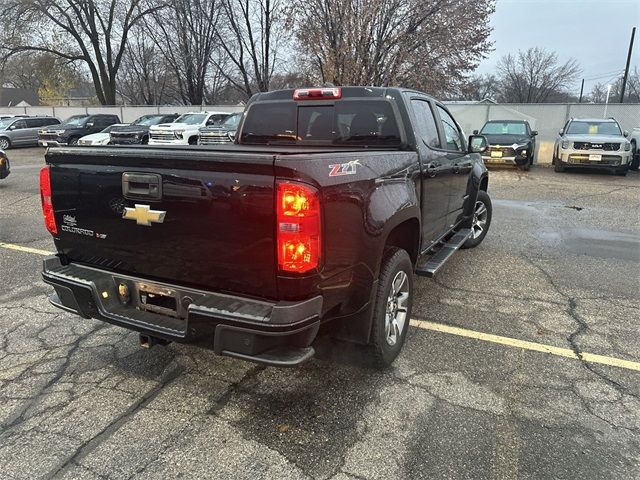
pixel 427 44
pixel 146 77
pixel 186 35
pixel 632 93
pixel 534 75
pixel 91 31
pixel 253 40
pixel 477 87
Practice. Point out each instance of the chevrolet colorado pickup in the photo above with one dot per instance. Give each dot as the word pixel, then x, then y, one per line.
pixel 313 222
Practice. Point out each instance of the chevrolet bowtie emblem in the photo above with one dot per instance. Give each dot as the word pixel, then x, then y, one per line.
pixel 143 215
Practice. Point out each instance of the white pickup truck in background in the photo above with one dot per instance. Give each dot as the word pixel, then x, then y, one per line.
pixel 184 131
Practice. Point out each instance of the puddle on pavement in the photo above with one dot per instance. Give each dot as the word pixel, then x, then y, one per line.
pixel 595 243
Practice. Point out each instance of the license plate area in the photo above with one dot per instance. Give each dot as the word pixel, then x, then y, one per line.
pixel 152 298
pixel 496 154
pixel 595 157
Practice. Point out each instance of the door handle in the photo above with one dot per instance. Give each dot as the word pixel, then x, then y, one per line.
pixel 142 186
pixel 432 169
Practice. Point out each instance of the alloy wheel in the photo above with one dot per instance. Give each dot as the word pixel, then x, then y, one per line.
pixel 396 313
pixel 479 219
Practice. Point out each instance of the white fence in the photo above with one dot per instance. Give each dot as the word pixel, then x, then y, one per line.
pixel 547 119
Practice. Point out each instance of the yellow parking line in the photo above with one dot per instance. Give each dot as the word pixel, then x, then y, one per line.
pixel 536 347
pixel 463 332
pixel 20 248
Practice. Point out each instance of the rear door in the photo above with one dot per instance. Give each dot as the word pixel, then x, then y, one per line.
pixel 33 126
pixel 459 163
pixel 197 218
pixel 435 171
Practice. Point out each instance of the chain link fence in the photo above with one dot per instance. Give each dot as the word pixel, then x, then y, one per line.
pixel 547 119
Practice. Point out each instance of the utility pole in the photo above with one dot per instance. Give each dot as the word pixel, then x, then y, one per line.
pixel 626 70
pixel 581 90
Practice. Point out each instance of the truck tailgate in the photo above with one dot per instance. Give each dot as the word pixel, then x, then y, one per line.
pixel 200 218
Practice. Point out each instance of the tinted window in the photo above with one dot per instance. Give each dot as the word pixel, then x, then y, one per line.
pixel 34 122
pixel 451 133
pixel 504 128
pixel 216 119
pixel 358 122
pixel 593 128
pixel 50 121
pixel 425 123
pixel 20 124
pixel 77 120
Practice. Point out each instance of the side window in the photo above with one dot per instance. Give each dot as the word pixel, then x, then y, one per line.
pixel 19 125
pixel 451 132
pixel 51 121
pixel 426 124
pixel 34 122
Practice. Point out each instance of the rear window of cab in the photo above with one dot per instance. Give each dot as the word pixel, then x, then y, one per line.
pixel 369 122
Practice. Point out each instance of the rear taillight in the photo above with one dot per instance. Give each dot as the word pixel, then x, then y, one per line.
pixel 47 205
pixel 298 228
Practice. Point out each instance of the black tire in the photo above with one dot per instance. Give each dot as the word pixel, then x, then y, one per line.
pixel 558 167
pixel 526 167
pixel 144 141
pixel 635 157
pixel 193 141
pixel 74 140
pixel 394 262
pixel 480 221
pixel 622 172
pixel 5 143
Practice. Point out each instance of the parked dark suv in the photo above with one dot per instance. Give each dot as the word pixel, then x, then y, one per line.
pixel 75 127
pixel 511 142
pixel 22 131
pixel 138 131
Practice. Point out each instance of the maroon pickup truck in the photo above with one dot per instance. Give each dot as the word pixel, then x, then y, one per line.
pixel 315 220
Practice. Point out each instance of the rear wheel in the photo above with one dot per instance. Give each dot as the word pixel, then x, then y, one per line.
pixel 73 141
pixel 635 157
pixel 5 143
pixel 481 220
pixel 392 312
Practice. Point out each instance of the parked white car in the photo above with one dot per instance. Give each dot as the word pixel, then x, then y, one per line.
pixel 100 138
pixel 634 138
pixel 184 131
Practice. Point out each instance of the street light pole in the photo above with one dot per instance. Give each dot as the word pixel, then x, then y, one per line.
pixel 606 104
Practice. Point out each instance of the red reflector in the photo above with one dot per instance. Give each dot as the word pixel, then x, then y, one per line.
pixel 317 93
pixel 47 205
pixel 298 228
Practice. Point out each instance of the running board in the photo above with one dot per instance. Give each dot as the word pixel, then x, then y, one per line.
pixel 428 265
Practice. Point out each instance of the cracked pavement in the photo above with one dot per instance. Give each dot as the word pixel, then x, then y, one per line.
pixel 560 266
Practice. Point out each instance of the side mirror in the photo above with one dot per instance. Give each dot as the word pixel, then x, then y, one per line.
pixel 475 132
pixel 12 127
pixel 88 125
pixel 626 133
pixel 561 132
pixel 534 133
pixel 477 144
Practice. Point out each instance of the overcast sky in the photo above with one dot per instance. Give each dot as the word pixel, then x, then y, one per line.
pixel 594 32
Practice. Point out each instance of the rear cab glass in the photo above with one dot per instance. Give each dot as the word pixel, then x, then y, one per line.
pixel 346 122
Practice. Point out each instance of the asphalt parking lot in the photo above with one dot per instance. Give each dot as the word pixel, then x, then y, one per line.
pixel 559 270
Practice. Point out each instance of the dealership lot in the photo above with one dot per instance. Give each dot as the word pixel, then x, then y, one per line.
pixel 559 269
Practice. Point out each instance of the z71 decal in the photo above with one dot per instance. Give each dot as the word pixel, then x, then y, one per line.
pixel 348 168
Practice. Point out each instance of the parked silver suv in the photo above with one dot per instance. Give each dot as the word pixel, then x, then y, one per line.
pixel 592 142
pixel 22 131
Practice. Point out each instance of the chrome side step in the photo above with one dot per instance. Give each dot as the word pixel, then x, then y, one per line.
pixel 428 265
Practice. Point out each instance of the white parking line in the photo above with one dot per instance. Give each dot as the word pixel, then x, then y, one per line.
pixel 20 248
